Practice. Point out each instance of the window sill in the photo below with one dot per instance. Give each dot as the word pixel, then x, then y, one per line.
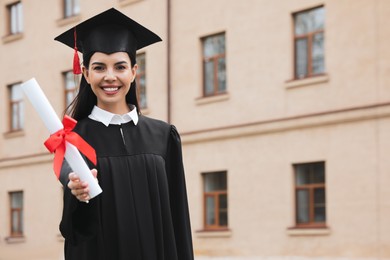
pixel 213 233
pixel 13 134
pixel 306 81
pixel 127 2
pixel 12 37
pixel 296 231
pixel 212 99
pixel 69 20
pixel 15 239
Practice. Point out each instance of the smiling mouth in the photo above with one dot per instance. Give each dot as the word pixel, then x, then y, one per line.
pixel 110 90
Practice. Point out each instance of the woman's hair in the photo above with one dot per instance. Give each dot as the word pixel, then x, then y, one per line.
pixel 85 99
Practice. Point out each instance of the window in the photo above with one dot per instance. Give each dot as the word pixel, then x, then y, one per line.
pixel 16 107
pixel 71 83
pixel 141 80
pixel 310 194
pixel 309 43
pixel 16 210
pixel 214 65
pixel 15 18
pixel 71 8
pixel 215 201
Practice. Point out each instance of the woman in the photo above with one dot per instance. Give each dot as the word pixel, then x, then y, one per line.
pixel 142 213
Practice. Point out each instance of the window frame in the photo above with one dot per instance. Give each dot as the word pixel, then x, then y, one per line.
pixel 309 36
pixel 20 111
pixel 20 224
pixel 215 59
pixel 214 194
pixel 311 187
pixel 19 18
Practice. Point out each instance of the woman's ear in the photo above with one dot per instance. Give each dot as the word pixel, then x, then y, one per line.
pixel 134 71
pixel 85 73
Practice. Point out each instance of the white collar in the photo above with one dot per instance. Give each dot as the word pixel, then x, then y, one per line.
pixel 108 118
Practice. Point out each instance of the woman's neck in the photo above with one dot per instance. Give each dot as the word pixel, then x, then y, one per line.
pixel 119 109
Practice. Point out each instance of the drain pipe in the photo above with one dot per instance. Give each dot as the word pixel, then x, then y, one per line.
pixel 169 116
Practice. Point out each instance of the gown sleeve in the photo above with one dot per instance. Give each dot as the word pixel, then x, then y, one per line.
pixel 178 197
pixel 78 218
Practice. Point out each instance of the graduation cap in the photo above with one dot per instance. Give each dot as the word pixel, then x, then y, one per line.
pixel 108 32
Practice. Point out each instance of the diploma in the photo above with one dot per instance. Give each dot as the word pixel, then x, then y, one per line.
pixel 53 124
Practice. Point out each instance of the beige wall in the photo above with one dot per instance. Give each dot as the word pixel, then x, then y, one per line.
pixel 256 132
pixel 260 185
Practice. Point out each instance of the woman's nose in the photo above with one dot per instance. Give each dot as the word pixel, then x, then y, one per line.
pixel 110 75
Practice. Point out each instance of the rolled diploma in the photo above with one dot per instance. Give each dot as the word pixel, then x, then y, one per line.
pixel 49 117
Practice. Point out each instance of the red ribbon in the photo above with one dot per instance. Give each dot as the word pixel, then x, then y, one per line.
pixel 56 144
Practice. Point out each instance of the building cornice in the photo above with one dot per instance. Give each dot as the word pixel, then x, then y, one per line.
pixel 29 159
pixel 323 118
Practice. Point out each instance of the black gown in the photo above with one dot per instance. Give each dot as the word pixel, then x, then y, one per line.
pixel 142 213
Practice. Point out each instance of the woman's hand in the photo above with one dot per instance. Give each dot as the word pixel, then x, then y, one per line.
pixel 78 188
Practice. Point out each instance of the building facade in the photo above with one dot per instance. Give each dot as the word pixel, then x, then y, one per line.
pixel 283 109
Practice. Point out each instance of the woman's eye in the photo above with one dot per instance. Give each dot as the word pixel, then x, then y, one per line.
pixel 120 67
pixel 98 68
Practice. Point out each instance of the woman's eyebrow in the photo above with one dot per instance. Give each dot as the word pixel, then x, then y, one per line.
pixel 121 62
pixel 97 63
pixel 102 63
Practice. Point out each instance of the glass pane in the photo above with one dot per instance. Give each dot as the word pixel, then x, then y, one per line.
pixel 20 17
pixel 302 174
pixel 223 202
pixel 141 62
pixel 210 211
pixel 208 77
pixel 69 80
pixel 310 173
pixel 223 218
pixel 14 118
pixel 319 196
pixel 318 173
pixel 21 222
pixel 215 182
pixel 76 7
pixel 15 222
pixel 142 88
pixel 141 79
pixel 16 92
pixel 213 46
pixel 310 21
pixel 21 115
pixel 68 8
pixel 317 54
pixel 301 24
pixel 17 200
pixel 221 75
pixel 69 97
pixel 223 209
pixel 13 19
pixel 319 214
pixel 318 18
pixel 319 205
pixel 301 58
pixel 302 206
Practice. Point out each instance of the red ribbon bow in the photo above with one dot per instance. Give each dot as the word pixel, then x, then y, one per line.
pixel 56 144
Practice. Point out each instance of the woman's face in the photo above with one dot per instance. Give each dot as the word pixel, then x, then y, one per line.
pixel 110 76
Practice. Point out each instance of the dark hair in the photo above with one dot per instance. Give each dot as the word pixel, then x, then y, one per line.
pixel 85 99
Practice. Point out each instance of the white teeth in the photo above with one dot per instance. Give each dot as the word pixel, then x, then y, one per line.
pixel 110 89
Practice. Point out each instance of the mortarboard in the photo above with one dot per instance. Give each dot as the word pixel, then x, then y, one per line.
pixel 108 32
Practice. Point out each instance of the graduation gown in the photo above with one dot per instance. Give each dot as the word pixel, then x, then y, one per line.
pixel 142 213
